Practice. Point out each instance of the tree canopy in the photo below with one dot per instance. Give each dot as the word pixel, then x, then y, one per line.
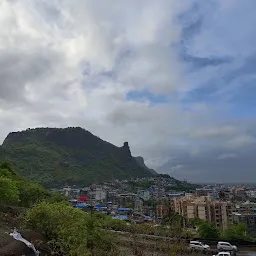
pixel 208 230
pixel 14 189
pixel 9 192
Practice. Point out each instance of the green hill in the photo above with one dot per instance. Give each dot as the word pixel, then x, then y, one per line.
pixel 54 156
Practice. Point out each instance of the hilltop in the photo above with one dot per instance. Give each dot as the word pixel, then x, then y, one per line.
pixel 59 156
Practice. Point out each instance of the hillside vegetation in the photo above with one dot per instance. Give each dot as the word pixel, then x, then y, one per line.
pixel 53 157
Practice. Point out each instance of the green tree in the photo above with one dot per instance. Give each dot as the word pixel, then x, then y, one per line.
pixel 70 231
pixel 31 193
pixel 9 193
pixel 57 198
pixel 208 230
pixel 194 222
pixel 5 173
pixel 8 166
pixel 235 232
pixel 128 205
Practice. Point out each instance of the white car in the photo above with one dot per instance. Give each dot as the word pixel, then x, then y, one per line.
pixel 196 245
pixel 225 246
pixel 223 254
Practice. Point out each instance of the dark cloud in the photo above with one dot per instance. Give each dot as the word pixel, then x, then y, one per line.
pixel 211 167
pixel 19 69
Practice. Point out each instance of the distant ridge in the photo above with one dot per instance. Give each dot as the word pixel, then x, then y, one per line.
pixel 59 156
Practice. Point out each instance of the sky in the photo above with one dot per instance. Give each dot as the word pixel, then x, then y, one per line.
pixel 176 79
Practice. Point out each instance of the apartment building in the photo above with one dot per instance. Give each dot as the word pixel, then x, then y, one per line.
pixel 221 213
pixel 247 218
pixel 162 210
pixel 246 207
pixel 97 194
pixel 204 208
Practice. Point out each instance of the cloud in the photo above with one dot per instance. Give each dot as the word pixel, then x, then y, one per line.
pixel 167 76
pixel 227 156
pixel 215 132
pixel 242 140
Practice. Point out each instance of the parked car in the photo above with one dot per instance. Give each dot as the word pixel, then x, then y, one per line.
pixel 223 254
pixel 225 246
pixel 196 245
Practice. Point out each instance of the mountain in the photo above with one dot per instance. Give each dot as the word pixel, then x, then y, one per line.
pixel 54 156
pixel 141 162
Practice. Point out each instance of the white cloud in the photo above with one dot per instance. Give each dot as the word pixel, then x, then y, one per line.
pixel 215 131
pixel 71 63
pixel 54 55
pixel 227 156
pixel 241 141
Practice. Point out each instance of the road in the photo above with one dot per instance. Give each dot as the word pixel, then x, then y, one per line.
pixel 152 239
pixel 243 251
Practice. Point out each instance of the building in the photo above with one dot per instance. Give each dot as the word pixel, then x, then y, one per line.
pixel 97 194
pixel 246 207
pixel 138 205
pixel 161 211
pixel 221 213
pixel 176 194
pixel 240 194
pixel 204 208
pixel 127 199
pixel 113 197
pixel 144 194
pixel 251 193
pixel 246 218
pixel 67 191
pixel 203 191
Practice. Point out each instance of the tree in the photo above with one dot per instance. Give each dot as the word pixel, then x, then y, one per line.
pixel 57 197
pixel 208 230
pixel 8 166
pixel 4 173
pixel 194 223
pixel 9 193
pixel 235 232
pixel 128 204
pixel 31 193
pixel 71 232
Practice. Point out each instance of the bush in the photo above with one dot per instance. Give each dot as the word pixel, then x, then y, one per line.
pixel 31 193
pixel 70 231
pixel 235 232
pixel 9 193
pixel 208 231
pixel 15 189
pixel 56 197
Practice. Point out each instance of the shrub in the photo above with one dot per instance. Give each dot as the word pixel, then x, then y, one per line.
pixel 208 230
pixel 235 232
pixel 31 193
pixel 9 193
pixel 70 231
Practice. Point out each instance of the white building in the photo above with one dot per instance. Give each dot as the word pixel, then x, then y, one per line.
pixel 98 194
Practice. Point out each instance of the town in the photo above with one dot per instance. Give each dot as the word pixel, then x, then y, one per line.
pixel 148 200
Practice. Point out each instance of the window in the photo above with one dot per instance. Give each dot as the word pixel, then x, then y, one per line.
pixel 225 244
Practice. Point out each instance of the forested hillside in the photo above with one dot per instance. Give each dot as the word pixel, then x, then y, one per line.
pixel 54 156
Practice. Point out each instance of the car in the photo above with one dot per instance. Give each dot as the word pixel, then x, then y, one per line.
pixel 196 245
pixel 225 246
pixel 223 254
